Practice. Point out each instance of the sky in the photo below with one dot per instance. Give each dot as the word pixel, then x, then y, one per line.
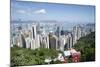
pixel 26 11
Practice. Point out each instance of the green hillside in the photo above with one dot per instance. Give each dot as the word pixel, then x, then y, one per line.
pixel 24 56
pixel 86 45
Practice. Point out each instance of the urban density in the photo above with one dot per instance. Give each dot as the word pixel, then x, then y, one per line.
pixel 51 33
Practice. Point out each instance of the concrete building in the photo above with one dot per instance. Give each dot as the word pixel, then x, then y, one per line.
pixel 53 41
pixel 70 40
pixel 13 41
pixel 35 42
pixel 66 41
pixel 44 41
pixel 21 40
pixel 77 33
pixel 63 41
pixel 28 42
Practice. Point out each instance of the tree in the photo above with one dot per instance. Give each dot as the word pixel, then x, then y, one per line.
pixel 24 56
pixel 86 45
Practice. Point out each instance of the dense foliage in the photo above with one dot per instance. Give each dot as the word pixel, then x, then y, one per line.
pixel 23 56
pixel 86 45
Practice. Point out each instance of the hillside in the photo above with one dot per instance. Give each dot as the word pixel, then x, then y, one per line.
pixel 86 45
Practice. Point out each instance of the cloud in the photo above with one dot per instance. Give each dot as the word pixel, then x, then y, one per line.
pixel 24 12
pixel 30 12
pixel 21 11
pixel 41 11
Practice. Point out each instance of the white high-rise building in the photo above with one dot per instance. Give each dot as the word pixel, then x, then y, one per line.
pixel 35 42
pixel 77 33
pixel 28 42
pixel 44 40
pixel 13 41
pixel 69 40
pixel 66 41
pixel 63 41
pixel 21 40
pixel 47 41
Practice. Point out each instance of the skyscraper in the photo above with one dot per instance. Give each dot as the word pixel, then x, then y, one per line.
pixel 62 32
pixel 35 43
pixel 57 31
pixel 21 40
pixel 44 41
pixel 70 41
pixel 63 41
pixel 58 35
pixel 28 42
pixel 77 33
pixel 34 32
pixel 53 41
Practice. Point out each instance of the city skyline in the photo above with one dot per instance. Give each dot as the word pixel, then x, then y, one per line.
pixel 50 11
pixel 51 33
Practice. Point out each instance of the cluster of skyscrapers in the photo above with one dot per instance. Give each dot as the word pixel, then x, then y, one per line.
pixel 37 36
